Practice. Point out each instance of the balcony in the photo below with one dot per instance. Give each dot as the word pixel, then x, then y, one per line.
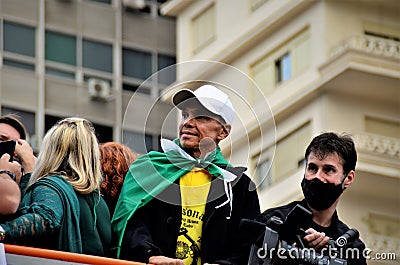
pixel 380 145
pixel 364 67
pixel 367 44
pixel 378 154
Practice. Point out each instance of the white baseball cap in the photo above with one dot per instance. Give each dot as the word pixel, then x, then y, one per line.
pixel 210 98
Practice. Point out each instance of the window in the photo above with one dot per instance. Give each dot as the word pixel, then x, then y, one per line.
pixel 50 121
pixel 382 127
pixel 381 30
pixel 263 176
pixel 19 39
pixel 60 54
pixel 136 64
pixel 97 56
pixel 284 63
pixel 56 72
pixel 165 61
pixel 287 158
pixel 382 35
pixel 103 133
pixel 168 75
pixel 283 68
pixel 25 66
pixel 263 75
pixel 60 48
pixel 139 142
pixel 136 67
pixel 289 154
pixel 19 43
pixel 203 29
pixel 135 87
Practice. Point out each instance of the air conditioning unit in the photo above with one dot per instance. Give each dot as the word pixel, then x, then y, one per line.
pixel 99 89
pixel 134 4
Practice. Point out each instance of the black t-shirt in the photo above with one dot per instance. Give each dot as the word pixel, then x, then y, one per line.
pixel 354 250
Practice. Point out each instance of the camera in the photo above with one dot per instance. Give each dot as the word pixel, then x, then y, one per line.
pixel 8 147
pixel 270 248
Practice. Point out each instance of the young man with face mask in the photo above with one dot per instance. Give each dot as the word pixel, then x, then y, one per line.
pixel 330 169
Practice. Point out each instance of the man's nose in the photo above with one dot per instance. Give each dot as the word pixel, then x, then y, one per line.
pixel 320 175
pixel 189 121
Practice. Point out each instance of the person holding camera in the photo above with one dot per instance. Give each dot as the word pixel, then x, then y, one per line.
pixel 184 205
pixel 13 141
pixel 330 169
pixel 12 129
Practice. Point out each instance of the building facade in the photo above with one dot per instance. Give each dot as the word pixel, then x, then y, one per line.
pixel 89 58
pixel 312 66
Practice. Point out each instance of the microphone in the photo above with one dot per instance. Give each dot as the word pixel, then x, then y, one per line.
pixel 350 236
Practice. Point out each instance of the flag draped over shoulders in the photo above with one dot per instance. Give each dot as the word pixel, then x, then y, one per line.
pixel 151 174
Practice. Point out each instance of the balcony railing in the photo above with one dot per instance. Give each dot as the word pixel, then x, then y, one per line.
pixel 368 44
pixel 378 144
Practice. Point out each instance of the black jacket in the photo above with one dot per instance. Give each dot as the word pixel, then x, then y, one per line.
pixel 335 230
pixel 153 229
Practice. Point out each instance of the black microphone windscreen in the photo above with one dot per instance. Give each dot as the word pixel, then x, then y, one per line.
pixel 351 235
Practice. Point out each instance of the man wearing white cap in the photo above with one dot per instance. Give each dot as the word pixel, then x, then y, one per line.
pixel 199 198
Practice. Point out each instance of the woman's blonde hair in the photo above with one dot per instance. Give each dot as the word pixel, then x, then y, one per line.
pixel 70 149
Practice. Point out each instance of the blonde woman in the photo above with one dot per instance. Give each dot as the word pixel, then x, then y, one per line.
pixel 62 208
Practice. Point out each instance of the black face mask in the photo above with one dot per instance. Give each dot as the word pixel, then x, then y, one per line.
pixel 319 195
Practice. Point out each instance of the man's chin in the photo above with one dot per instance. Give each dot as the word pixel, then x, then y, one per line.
pixel 187 143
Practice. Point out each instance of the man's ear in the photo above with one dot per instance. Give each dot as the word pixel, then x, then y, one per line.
pixel 226 129
pixel 349 179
